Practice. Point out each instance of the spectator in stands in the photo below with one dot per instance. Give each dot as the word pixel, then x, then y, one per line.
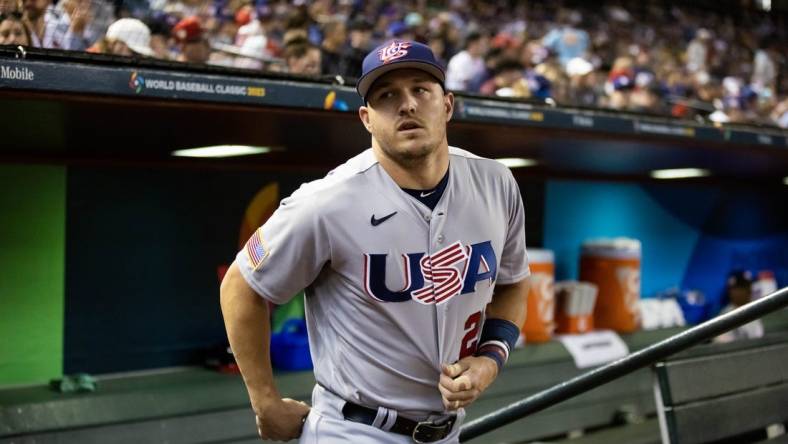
pixel 13 30
pixel 533 54
pixel 737 99
pixel 437 44
pixel 132 8
pixel 248 24
pixel 445 28
pixel 764 72
pixel 192 44
pixel 507 80
pixel 468 63
pixel 9 6
pixel 160 29
pixel 253 53
pixel 302 57
pixel 698 51
pixel 549 80
pixel 665 76
pixel 567 41
pixel 186 8
pixel 399 30
pixel 509 46
pixel 621 81
pixel 76 24
pixel 322 11
pixel 334 38
pixel 128 37
pixel 417 26
pixel 382 18
pixel 298 25
pixel 37 14
pixel 492 59
pixel 72 30
pixel 258 23
pixel 584 82
pixel 779 115
pixel 644 96
pixel 359 45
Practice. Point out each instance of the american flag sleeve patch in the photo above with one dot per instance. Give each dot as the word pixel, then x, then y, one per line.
pixel 256 249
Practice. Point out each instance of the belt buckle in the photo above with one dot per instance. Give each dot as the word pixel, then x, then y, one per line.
pixel 427 431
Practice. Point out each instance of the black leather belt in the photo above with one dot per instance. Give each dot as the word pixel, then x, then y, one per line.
pixel 421 432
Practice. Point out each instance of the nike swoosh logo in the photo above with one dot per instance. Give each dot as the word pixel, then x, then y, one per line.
pixel 423 194
pixel 376 222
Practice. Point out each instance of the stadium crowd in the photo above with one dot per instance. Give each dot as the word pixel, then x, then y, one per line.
pixel 654 56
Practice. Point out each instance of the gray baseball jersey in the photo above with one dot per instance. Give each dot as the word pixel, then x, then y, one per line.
pixel 393 289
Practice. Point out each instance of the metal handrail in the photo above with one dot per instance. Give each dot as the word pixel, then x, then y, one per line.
pixel 625 365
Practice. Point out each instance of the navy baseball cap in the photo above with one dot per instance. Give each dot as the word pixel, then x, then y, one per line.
pixel 397 54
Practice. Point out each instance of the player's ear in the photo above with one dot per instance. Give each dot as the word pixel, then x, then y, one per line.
pixel 448 103
pixel 363 114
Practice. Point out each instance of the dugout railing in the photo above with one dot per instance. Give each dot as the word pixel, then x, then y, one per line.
pixel 628 364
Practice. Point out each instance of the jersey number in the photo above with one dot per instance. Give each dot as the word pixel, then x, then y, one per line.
pixel 470 340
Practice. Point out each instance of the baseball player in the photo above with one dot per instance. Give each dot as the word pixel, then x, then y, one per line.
pixel 413 258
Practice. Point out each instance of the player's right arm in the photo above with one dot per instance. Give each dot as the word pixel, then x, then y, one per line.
pixel 248 327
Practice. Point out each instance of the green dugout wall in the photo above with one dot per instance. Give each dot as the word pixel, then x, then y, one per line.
pixel 32 252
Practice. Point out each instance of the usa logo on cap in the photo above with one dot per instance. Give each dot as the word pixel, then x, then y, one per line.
pixel 393 51
pixel 397 54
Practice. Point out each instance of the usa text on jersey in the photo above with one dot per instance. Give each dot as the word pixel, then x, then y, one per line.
pixel 435 278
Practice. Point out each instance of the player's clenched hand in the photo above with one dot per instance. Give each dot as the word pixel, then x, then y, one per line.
pixel 281 419
pixel 465 380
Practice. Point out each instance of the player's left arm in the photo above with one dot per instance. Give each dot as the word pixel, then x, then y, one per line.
pixel 463 382
pixel 508 302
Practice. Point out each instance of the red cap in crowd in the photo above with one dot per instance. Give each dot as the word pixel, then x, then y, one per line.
pixel 244 15
pixel 188 30
pixel 504 41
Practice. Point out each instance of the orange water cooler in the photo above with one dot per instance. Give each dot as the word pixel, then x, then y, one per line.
pixel 614 266
pixel 539 319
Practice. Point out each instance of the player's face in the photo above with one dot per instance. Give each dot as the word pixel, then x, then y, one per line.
pixel 406 114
